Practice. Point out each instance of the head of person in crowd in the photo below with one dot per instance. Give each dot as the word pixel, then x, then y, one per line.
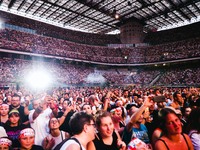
pixel 139 101
pixel 131 109
pixel 60 100
pixel 156 92
pixel 170 122
pixel 118 103
pixel 53 123
pixel 26 138
pixel 107 132
pixel 172 134
pixel 186 112
pixel 14 118
pixel 82 125
pixel 4 109
pixel 106 102
pixel 118 114
pixel 87 108
pixel 1 97
pixel 93 100
pixel 36 103
pixel 8 99
pixel 5 143
pixel 16 100
pixel 125 93
pixel 104 124
pixel 79 101
pixel 86 100
pixel 178 98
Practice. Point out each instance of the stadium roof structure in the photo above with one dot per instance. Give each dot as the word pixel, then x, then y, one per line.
pixel 99 16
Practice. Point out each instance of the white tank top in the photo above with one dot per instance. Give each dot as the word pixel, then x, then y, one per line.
pixel 57 139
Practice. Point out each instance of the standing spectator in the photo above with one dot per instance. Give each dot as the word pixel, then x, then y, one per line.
pixel 4 109
pixel 55 136
pixel 194 127
pixel 13 127
pixel 26 139
pixel 178 100
pixel 64 116
pixel 40 116
pixel 82 126
pixel 87 108
pixel 15 104
pixel 135 128
pixel 107 137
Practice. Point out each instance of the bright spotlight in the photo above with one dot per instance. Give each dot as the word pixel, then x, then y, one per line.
pixel 38 79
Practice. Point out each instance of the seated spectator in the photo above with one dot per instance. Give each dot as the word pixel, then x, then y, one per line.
pixel 27 138
pixel 107 137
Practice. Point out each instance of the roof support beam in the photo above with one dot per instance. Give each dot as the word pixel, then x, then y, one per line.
pixel 22 4
pixel 11 3
pixel 53 4
pixel 30 6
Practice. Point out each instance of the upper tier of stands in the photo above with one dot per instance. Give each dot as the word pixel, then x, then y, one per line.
pixel 60 33
pixel 173 35
pixel 34 43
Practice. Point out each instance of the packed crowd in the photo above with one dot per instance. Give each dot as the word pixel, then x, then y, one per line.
pixel 17 70
pixel 60 33
pixel 177 34
pixel 97 118
pixel 26 42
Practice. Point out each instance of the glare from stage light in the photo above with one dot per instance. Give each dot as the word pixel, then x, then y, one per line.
pixel 38 79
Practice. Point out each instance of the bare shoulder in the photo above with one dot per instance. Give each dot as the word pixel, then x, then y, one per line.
pixel 160 145
pixel 91 146
pixel 73 146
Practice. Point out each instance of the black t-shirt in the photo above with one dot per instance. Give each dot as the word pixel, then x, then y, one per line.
pixel 65 126
pixel 99 144
pixel 37 147
pixel 13 133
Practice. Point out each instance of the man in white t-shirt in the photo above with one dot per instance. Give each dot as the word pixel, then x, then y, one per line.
pixel 40 116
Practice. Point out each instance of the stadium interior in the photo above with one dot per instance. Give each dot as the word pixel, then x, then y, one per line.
pixel 69 40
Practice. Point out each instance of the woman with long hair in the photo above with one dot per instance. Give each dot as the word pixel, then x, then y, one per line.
pixel 107 137
pixel 55 136
pixel 13 127
pixel 172 137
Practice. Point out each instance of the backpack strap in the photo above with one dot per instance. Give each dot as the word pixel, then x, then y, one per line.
pixel 77 142
pixel 58 147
